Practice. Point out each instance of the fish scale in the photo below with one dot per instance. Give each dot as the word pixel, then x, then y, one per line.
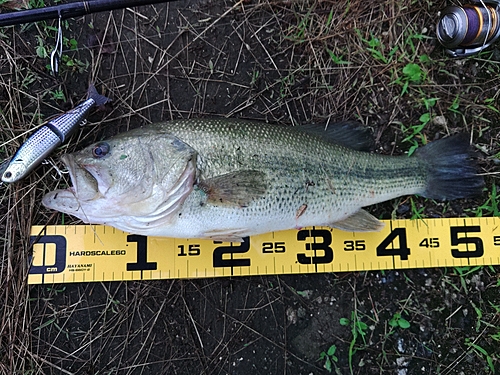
pixel 302 158
pixel 251 177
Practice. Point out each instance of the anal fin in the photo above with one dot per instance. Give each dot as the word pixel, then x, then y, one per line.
pixel 361 221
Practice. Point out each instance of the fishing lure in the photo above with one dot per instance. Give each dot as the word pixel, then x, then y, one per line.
pixel 56 132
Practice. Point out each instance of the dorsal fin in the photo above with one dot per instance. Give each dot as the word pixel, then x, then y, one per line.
pixel 350 134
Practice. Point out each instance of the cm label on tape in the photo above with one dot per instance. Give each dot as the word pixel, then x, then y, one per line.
pixel 99 253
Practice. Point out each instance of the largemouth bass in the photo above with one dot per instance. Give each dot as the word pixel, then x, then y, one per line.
pixel 227 179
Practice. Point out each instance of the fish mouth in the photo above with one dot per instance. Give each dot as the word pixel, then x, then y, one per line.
pixel 84 189
pixel 85 184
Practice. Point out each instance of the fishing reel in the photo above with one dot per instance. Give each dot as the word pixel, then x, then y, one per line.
pixel 469 29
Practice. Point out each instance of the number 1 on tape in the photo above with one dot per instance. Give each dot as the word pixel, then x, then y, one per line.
pixel 85 253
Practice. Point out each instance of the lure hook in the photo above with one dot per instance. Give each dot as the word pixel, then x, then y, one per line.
pixel 55 56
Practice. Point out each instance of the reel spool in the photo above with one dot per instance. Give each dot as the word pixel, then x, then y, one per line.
pixel 469 29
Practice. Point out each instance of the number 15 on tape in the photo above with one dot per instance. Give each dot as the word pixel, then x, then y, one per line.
pixel 84 253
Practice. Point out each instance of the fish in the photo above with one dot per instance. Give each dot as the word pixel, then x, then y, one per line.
pixel 226 179
pixel 47 138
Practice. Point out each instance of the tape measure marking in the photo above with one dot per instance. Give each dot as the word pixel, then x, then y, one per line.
pixel 84 253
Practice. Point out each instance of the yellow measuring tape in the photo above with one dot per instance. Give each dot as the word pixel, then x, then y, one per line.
pixel 85 253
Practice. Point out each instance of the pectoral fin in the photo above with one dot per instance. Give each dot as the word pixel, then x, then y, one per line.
pixel 361 221
pixel 236 188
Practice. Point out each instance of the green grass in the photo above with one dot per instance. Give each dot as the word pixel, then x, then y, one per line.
pixel 490 207
pixel 359 330
pixel 329 359
pixel 397 320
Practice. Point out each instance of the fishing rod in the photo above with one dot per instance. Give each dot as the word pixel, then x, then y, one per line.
pixel 70 10
pixel 64 11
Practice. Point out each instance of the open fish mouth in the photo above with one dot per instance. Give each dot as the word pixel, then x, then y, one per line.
pixel 84 189
pixel 85 185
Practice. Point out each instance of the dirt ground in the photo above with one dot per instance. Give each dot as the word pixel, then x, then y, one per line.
pixel 287 62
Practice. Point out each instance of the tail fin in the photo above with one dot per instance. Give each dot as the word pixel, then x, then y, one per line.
pixel 98 98
pixel 452 169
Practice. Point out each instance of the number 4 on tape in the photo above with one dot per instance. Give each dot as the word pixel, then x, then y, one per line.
pixel 84 253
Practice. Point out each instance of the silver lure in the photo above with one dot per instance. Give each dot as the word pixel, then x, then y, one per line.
pixel 56 132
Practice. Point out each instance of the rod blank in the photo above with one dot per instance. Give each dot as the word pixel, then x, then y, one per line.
pixel 70 10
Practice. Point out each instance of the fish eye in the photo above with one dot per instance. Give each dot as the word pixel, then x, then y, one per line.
pixel 100 150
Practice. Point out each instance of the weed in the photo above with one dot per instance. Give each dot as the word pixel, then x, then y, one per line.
pixel 53 322
pixel 285 84
pixel 415 132
pixel 41 50
pixel 376 48
pixel 74 65
pixel 410 45
pixel 57 291
pixel 337 59
pixel 479 314
pixel 490 104
pixel 330 18
pixel 36 4
pixel 495 336
pixel 58 95
pixel 329 358
pixel 398 321
pixel 73 44
pixel 254 77
pixel 358 330
pixel 113 305
pixel 455 105
pixel 481 352
pixel 416 213
pixel 490 207
pixel 412 73
pixel 304 293
pixel 298 33
pixel 45 324
pixel 463 272
pixel 28 79
pixel 429 103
